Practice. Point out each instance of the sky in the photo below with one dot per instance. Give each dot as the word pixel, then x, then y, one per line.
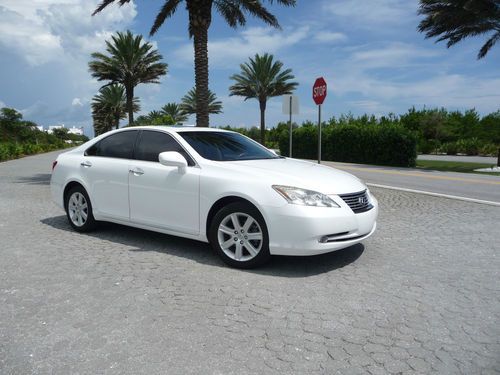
pixel 368 51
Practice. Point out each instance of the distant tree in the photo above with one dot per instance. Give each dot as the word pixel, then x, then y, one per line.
pixel 10 114
pixel 200 18
pixel 61 133
pixel 159 118
pixel 262 78
pixel 189 103
pixel 489 128
pixel 109 106
pixel 455 20
pixel 174 110
pixel 130 61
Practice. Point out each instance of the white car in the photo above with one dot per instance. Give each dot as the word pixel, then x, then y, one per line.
pixel 213 186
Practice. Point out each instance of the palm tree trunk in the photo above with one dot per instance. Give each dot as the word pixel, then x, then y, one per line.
pixel 117 121
pixel 200 37
pixel 262 122
pixel 129 89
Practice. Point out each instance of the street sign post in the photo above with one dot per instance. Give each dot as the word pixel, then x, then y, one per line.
pixel 319 95
pixel 290 106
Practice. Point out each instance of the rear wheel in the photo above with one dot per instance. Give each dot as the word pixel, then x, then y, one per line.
pixel 79 210
pixel 238 234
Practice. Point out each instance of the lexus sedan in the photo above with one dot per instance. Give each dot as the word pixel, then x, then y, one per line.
pixel 214 186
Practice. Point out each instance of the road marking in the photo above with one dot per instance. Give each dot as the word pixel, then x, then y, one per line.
pixel 450 178
pixel 491 203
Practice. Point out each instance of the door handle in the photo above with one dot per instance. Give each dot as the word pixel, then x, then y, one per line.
pixel 136 171
pixel 86 164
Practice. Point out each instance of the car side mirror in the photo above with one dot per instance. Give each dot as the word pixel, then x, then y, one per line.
pixel 173 159
pixel 275 152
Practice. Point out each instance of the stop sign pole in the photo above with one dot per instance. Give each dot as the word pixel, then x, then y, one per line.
pixel 319 95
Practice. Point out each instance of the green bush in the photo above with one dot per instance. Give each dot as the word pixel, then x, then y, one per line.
pixel 488 149
pixel 372 144
pixel 449 148
pixel 4 152
pixel 428 146
pixel 468 146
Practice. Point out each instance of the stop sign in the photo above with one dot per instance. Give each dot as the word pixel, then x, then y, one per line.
pixel 319 91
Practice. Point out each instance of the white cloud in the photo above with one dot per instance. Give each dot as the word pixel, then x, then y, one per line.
pixel 393 55
pixel 330 37
pixel 363 13
pixel 77 102
pixel 49 30
pixel 225 52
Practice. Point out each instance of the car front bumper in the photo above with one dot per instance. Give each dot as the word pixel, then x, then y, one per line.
pixel 300 230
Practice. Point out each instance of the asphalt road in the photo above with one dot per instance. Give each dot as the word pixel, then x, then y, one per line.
pixel 421 296
pixel 474 186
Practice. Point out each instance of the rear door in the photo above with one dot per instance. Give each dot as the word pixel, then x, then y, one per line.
pixel 161 196
pixel 106 169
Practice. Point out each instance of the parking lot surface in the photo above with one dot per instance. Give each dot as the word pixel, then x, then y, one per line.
pixel 421 296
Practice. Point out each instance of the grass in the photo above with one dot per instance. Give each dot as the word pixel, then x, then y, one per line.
pixel 454 166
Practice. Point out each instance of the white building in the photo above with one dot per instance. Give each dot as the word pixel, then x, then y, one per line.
pixel 75 130
pixel 50 130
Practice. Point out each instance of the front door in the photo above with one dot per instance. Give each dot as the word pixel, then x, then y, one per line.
pixel 161 196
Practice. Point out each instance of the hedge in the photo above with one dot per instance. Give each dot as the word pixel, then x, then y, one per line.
pixel 376 144
pixel 13 150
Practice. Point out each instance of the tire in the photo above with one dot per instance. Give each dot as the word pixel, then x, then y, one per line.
pixel 238 234
pixel 79 210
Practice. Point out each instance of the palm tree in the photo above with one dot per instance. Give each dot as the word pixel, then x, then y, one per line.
pixel 189 103
pixel 262 78
pixel 174 110
pixel 455 20
pixel 109 106
pixel 200 17
pixel 131 61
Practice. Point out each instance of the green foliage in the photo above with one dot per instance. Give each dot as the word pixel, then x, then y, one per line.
pixel 234 12
pixel 438 130
pixel 109 106
pixel 19 137
pixel 175 111
pixel 455 20
pixel 378 144
pixel 129 61
pixel 262 78
pixel 189 103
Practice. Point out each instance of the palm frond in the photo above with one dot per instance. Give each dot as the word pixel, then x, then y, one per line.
pixel 455 20
pixel 166 11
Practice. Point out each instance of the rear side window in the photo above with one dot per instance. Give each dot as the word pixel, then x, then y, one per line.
pixel 119 145
pixel 152 143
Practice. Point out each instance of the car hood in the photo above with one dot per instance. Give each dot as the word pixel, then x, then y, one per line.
pixel 302 174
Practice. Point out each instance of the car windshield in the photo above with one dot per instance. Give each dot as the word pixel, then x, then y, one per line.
pixel 222 146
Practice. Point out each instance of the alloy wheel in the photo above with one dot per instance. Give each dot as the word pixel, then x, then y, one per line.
pixel 240 236
pixel 78 209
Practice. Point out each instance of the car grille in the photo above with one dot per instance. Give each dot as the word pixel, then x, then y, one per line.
pixel 358 202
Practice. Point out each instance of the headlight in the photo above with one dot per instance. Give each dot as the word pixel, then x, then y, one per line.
pixel 304 197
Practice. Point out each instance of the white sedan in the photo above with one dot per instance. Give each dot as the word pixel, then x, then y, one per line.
pixel 214 186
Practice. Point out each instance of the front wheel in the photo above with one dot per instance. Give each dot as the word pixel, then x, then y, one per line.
pixel 238 234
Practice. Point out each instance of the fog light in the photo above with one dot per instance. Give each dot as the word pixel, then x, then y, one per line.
pixel 323 239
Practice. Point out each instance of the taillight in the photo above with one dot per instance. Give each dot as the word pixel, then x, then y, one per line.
pixel 54 163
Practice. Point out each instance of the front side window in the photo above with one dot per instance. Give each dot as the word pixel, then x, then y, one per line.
pixel 222 146
pixel 153 143
pixel 119 145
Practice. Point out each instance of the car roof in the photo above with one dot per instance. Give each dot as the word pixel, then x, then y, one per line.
pixel 179 129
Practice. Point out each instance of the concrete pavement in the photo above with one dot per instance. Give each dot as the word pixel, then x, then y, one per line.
pixel 419 297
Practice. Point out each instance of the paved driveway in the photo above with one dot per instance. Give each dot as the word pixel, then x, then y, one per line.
pixel 421 296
